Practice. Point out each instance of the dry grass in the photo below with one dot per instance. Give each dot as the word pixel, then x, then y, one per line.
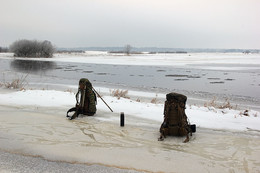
pixel 247 113
pixel 213 103
pixel 120 93
pixel 69 90
pixel 154 100
pixel 17 83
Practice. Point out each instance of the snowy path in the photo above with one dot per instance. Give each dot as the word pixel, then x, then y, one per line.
pixel 46 133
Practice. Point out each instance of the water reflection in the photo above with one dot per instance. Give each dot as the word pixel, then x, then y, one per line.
pixel 32 66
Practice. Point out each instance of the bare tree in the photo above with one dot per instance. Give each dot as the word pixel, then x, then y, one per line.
pixel 128 48
pixel 32 48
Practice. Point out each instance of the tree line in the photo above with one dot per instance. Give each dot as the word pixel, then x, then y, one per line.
pixel 4 49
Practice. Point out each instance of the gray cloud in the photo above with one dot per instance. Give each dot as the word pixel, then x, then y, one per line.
pixel 161 23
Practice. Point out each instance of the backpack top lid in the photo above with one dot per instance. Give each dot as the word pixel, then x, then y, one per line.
pixel 175 97
pixel 85 81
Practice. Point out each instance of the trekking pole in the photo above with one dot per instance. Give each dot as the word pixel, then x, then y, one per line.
pixel 101 98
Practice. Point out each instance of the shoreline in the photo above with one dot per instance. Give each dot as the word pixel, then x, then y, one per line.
pixel 187 75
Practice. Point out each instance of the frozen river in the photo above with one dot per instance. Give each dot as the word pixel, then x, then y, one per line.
pixel 240 85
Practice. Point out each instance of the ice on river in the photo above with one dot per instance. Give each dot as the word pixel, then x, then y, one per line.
pixel 217 61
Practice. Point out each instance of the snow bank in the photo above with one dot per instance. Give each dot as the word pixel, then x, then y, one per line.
pixel 46 98
pixel 207 117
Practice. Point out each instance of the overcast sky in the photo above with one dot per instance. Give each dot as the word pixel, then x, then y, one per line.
pixel 140 23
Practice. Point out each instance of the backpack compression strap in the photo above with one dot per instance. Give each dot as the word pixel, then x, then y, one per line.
pixel 74 109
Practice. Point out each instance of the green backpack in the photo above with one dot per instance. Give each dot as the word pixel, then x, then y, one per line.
pixel 87 103
pixel 175 120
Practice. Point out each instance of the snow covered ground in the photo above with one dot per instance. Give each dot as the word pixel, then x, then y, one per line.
pixel 33 123
pixel 206 117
